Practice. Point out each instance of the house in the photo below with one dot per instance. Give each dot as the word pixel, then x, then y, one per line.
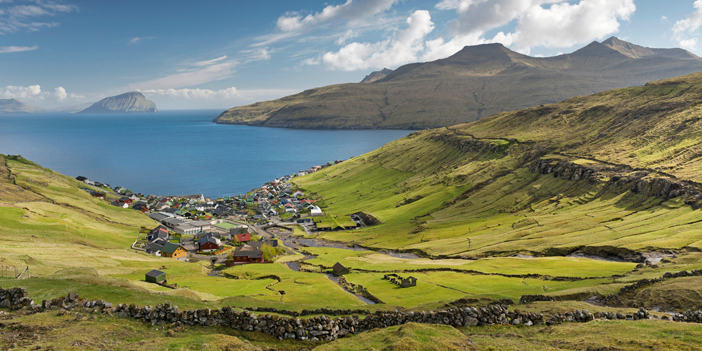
pixel 316 212
pixel 120 204
pixel 188 243
pixel 126 200
pixel 155 277
pixel 242 238
pixel 158 232
pixel 98 194
pixel 339 269
pixel 154 247
pixel 141 208
pixel 243 257
pixel 298 194
pixel 209 244
pixel 172 250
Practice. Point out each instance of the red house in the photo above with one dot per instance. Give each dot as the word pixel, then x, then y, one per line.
pixel 208 244
pixel 244 257
pixel 97 194
pixel 242 238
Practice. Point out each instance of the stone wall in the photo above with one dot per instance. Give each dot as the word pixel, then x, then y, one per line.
pixel 314 328
pixel 531 298
pixel 613 299
pixel 14 298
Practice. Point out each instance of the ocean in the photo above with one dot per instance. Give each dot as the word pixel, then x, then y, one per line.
pixel 177 152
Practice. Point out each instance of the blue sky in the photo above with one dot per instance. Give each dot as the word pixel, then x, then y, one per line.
pixel 220 54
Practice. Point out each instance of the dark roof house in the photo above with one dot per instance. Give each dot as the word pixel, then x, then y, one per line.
pixel 340 269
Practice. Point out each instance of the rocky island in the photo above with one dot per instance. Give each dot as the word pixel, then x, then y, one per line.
pixel 128 102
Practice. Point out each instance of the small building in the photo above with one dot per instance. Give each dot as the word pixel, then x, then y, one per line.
pixel 156 277
pixel 158 232
pixel 242 238
pixel 208 244
pixel 244 257
pixel 172 250
pixel 155 246
pixel 316 212
pixel 340 269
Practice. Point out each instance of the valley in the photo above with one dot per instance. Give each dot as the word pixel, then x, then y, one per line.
pixel 522 203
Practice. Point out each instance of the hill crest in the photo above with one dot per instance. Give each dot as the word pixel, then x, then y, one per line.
pixel 476 82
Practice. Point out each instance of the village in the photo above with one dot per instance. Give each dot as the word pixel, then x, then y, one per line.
pixel 230 230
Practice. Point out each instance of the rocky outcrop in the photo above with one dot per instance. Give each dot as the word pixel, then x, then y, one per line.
pixel 645 182
pixel 127 102
pixel 376 75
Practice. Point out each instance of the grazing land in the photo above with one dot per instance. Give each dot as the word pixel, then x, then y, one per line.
pixel 496 209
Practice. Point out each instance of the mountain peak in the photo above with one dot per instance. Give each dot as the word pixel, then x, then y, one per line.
pixel 476 54
pixel 638 51
pixel 13 105
pixel 132 101
pixel 376 75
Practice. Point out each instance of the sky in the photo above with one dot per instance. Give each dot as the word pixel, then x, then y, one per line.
pixel 220 54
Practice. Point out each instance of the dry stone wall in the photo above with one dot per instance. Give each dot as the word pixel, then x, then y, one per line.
pixel 314 328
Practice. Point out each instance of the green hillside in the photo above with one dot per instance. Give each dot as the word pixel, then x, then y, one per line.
pixel 610 174
pixel 474 83
pixel 497 207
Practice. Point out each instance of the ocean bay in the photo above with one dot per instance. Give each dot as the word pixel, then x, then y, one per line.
pixel 177 152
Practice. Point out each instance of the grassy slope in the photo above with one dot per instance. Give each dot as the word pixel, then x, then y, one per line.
pixel 435 198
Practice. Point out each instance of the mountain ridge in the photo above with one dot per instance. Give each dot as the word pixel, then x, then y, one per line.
pixel 474 83
pixel 15 106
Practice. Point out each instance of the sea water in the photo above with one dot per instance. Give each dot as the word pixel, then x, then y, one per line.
pixel 177 152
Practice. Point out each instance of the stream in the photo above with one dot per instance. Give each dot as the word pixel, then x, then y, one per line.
pixel 297 243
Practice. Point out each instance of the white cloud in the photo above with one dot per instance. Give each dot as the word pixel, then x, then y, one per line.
pixel 228 93
pixel 547 23
pixel 402 48
pixel 257 54
pixel 689 44
pixel 198 73
pixel 20 92
pixel 34 93
pixel 18 18
pixel 684 28
pixel 565 24
pixel 351 10
pixel 550 23
pixel 349 34
pixel 8 49
pixel 138 39
pixel 211 62
pixel 60 93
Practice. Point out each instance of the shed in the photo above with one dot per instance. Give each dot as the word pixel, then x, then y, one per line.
pixel 340 269
pixel 155 276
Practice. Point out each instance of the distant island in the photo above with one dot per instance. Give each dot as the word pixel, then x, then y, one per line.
pixel 15 106
pixel 128 102
pixel 474 83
